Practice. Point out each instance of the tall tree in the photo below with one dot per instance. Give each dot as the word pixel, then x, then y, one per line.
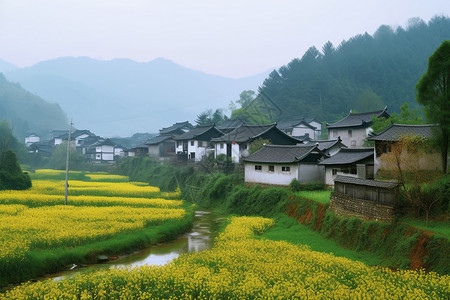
pixel 433 92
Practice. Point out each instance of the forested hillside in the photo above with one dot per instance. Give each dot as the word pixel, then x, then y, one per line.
pixel 26 112
pixel 364 73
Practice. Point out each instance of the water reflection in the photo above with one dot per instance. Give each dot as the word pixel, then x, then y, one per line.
pixel 202 235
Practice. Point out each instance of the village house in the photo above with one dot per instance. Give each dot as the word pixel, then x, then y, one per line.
pixel 196 143
pixel 301 127
pixel 355 127
pixel 236 143
pixel 387 140
pixel 280 164
pixel 163 145
pixel 101 152
pixel 355 162
pixel 31 139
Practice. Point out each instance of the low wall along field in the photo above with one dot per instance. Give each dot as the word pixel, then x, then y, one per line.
pixel 35 224
pixel 344 205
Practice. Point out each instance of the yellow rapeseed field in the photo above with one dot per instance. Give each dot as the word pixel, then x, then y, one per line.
pixel 37 218
pixel 55 226
pixel 240 267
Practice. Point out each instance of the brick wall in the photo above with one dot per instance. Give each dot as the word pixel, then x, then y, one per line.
pixel 343 205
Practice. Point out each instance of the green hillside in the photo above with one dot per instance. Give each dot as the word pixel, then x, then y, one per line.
pixel 364 73
pixel 28 113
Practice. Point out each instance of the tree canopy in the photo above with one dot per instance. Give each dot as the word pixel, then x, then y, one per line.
pixel 366 72
pixel 433 92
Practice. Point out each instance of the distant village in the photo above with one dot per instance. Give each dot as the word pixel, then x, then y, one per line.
pixel 293 151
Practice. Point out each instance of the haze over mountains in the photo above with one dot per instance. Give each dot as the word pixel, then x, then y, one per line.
pixel 121 97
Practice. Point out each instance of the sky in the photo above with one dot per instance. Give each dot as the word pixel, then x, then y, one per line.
pixel 234 38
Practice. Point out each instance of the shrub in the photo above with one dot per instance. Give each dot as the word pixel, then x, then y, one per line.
pixel 11 175
pixel 296 186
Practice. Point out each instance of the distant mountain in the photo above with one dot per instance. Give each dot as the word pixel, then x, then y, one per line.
pixel 28 113
pixel 121 96
pixel 364 73
pixel 6 66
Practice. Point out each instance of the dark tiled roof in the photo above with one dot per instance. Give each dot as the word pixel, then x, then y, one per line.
pixel 281 154
pixel 366 182
pixel 104 142
pixel 196 132
pixel 303 138
pixel 244 133
pixel 359 119
pixel 158 139
pixel 325 145
pixel 175 126
pixel 396 131
pixel 348 156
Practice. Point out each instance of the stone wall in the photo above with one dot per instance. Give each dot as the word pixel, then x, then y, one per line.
pixel 343 205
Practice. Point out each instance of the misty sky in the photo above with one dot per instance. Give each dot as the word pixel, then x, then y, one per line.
pixel 228 38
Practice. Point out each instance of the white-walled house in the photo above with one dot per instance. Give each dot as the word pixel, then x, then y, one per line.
pixel 236 143
pixel 301 127
pixel 196 143
pixel 355 127
pixel 355 162
pixel 32 139
pixel 101 151
pixel 279 164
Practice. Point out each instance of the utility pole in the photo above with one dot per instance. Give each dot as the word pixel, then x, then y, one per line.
pixel 67 163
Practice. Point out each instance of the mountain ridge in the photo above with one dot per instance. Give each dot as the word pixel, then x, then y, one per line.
pixel 116 93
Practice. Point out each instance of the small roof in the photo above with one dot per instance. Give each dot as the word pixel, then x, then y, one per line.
pixel 246 133
pixel 326 144
pixel 203 133
pixel 158 139
pixel 283 153
pixel 304 138
pixel 175 127
pixel 359 119
pixel 349 156
pixel 104 142
pixel 367 182
pixel 396 131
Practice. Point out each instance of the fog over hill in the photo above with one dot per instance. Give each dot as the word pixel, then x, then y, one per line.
pixel 6 66
pixel 121 97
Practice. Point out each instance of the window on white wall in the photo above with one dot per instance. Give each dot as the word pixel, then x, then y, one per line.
pixel 221 145
pixel 192 143
pixel 350 133
pixel 271 169
pixel 285 169
pixel 258 168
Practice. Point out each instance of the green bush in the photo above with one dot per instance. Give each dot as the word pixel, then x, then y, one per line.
pixel 296 186
pixel 11 175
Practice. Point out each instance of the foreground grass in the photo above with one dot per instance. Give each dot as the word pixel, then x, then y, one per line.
pixel 318 196
pixel 288 229
pixel 241 267
pixel 440 228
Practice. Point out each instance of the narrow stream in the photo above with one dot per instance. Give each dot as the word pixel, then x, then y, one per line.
pixel 201 237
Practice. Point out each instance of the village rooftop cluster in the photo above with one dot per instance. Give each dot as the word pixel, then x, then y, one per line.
pixel 294 150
